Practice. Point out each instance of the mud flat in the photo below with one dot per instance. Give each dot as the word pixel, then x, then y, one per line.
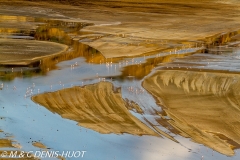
pixel 203 106
pixel 24 52
pixel 139 24
pixel 96 107
pixel 128 28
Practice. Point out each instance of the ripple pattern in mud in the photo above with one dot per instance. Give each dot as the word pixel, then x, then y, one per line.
pixel 204 106
pixel 96 106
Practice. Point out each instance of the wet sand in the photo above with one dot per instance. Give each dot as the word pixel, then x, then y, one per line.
pixel 203 106
pixel 139 26
pixel 140 70
pixel 5 143
pixel 146 27
pixel 16 24
pixel 124 46
pixel 122 29
pixel 96 107
pixel 24 52
pixel 39 145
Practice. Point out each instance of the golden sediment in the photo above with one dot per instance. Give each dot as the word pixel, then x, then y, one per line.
pixel 137 27
pixel 55 34
pixel 139 71
pixel 187 21
pixel 8 143
pixel 16 24
pixel 96 107
pixel 49 63
pixel 133 106
pixel 10 19
pixel 123 47
pixel 61 158
pixel 5 143
pixel 164 134
pixel 91 54
pixel 161 132
pixel 24 52
pixel 39 145
pixel 78 50
pixel 204 106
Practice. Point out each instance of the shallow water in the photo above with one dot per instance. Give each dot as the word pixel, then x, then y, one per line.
pixel 27 121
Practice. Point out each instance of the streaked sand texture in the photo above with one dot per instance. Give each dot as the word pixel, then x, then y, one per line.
pixel 24 52
pixel 132 27
pixel 12 148
pixel 39 145
pixel 96 107
pixel 15 24
pixel 5 143
pixel 117 46
pixel 204 106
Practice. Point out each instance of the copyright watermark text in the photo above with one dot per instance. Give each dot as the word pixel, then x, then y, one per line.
pixel 42 154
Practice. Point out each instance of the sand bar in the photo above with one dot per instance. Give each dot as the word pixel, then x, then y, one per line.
pixel 203 106
pixel 136 27
pixel 95 106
